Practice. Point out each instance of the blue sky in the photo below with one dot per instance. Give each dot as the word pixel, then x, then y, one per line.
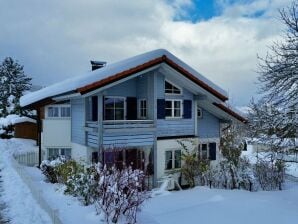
pixel 199 10
pixel 221 39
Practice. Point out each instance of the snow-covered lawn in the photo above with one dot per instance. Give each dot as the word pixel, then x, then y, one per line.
pixel 198 205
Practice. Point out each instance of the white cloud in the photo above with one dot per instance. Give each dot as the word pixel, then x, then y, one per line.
pixel 56 39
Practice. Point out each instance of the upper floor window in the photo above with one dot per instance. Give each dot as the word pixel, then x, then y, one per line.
pixel 114 108
pixel 170 88
pixel 143 108
pixel 199 112
pixel 92 108
pixel 56 111
pixel 65 111
pixel 173 109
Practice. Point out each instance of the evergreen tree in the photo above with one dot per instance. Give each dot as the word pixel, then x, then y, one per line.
pixel 13 83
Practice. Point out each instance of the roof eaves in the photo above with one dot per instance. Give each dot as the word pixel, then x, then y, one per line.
pixel 231 112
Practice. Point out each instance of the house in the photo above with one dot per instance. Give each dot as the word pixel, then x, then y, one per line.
pixel 133 112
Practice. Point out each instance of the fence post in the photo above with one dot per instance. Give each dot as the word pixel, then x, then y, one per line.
pixel 55 213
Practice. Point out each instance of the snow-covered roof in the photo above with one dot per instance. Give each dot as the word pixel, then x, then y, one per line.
pixel 14 119
pixel 112 69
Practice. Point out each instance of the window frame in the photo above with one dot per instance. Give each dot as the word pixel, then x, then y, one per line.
pixel 173 159
pixel 57 106
pixel 124 107
pixel 141 109
pixel 59 149
pixel 173 108
pixel 172 94
pixel 200 151
pixel 201 112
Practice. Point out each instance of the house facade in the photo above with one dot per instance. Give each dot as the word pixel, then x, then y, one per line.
pixel 134 112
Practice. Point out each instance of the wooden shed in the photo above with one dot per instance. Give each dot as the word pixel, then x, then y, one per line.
pixel 25 129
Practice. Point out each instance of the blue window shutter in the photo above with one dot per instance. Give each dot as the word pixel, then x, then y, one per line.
pixel 187 109
pixel 94 100
pixel 161 113
pixel 212 151
pixel 131 108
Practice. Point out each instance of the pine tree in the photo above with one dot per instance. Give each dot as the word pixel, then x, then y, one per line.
pixel 13 83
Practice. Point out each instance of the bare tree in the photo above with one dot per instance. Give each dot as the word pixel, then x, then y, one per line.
pixel 279 69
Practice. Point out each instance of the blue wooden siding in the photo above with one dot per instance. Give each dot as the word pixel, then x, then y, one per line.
pixel 150 94
pixel 174 127
pixel 125 89
pixel 77 121
pixel 208 126
pixel 127 139
pixel 142 86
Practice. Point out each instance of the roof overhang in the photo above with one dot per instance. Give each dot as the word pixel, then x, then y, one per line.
pixel 163 59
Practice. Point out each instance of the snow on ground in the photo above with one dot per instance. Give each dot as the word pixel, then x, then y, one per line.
pixel 70 209
pixel 213 206
pixel 21 207
pixel 198 205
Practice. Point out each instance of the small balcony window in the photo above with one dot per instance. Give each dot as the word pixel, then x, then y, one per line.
pixel 114 108
pixel 143 108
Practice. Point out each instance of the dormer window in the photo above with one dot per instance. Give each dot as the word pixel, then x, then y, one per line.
pixel 170 88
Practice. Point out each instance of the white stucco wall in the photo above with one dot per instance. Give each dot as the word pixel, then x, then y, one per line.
pixel 172 144
pixel 79 153
pixel 165 145
pixel 56 133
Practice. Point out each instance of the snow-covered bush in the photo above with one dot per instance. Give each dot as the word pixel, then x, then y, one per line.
pixel 60 169
pixel 84 184
pixel 233 171
pixel 121 193
pixel 229 176
pixel 193 169
pixel 270 174
pixel 190 167
pixel 67 169
pixel 47 167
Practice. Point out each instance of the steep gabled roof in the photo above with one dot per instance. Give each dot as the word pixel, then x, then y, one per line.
pixel 119 70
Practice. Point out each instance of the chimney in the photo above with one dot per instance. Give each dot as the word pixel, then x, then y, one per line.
pixel 97 64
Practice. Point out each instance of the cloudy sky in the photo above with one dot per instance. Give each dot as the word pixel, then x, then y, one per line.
pixel 56 39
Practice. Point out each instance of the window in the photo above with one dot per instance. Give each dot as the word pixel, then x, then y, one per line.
pixel 204 153
pixel 53 153
pixel 173 159
pixel 207 151
pixel 143 108
pixel 199 112
pixel 173 108
pixel 53 111
pixel 56 111
pixel 114 108
pixel 65 111
pixel 171 88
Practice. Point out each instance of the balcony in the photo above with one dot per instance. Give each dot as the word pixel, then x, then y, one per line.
pixel 128 125
pixel 124 131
